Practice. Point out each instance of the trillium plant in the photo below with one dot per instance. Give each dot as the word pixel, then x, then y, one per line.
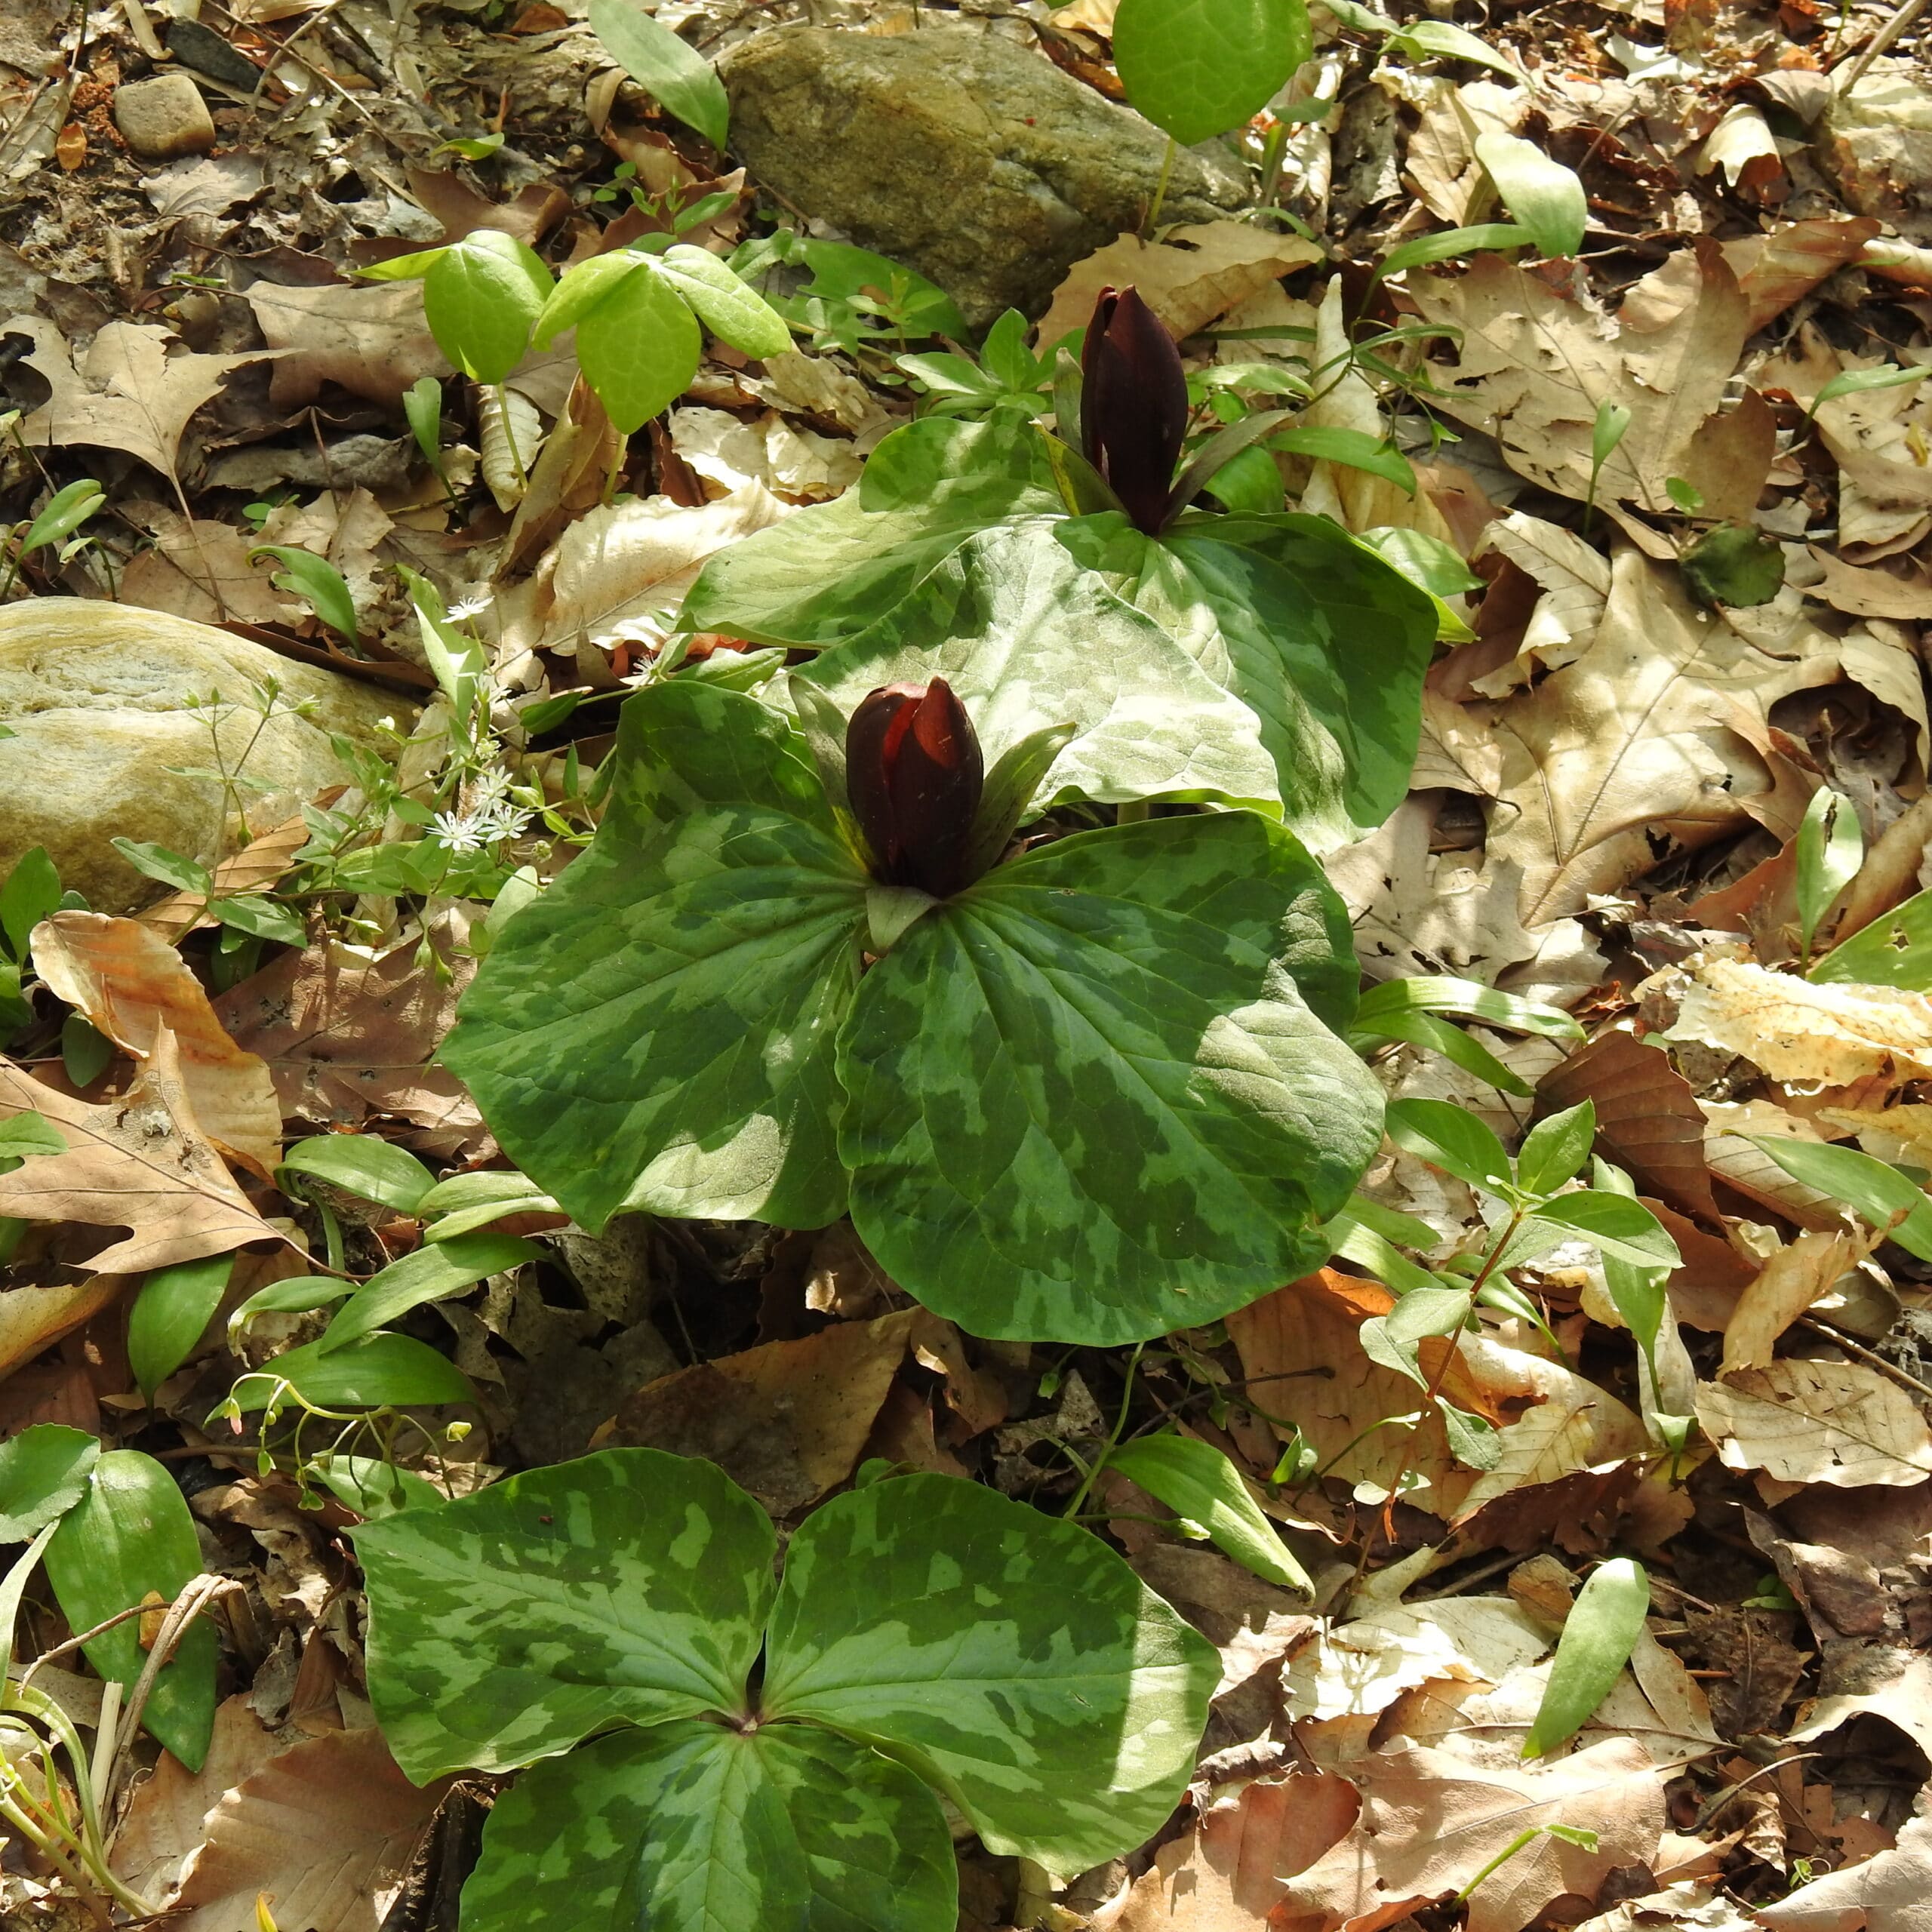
pixel 1292 650
pixel 709 1747
pixel 1088 1092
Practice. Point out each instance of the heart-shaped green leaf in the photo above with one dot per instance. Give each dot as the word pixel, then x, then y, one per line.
pixel 1198 68
pixel 480 298
pixel 1010 1659
pixel 1097 1097
pixel 697 1828
pixel 510 1625
pixel 1026 638
pixel 638 348
pixel 655 1031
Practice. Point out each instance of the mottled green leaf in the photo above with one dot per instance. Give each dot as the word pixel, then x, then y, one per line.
pixel 43 1472
pixel 1097 1097
pixel 823 574
pixel 1027 639
pixel 131 1534
pixel 1325 643
pixel 1010 1659
pixel 631 1586
pixel 655 1031
pixel 697 1827
pixel 1199 68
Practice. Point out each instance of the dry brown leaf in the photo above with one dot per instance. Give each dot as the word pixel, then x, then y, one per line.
pixel 1648 1120
pixel 1227 1875
pixel 1644 739
pixel 1575 578
pixel 1870 593
pixel 132 983
pixel 1743 146
pixel 1831 1034
pixel 787 1421
pixel 1835 1422
pixel 259 864
pixel 1797 1276
pixel 32 1318
pixel 140 1162
pixel 326 1830
pixel 1193 275
pixel 1429 1826
pixel 1775 269
pixel 201 570
pixel 617 566
pixel 372 340
pixel 1689 1904
pixel 347 1034
pixel 1534 368
pixel 127 393
pixel 1886 1894
pixel 799 465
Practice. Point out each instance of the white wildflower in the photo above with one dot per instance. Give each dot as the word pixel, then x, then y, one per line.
pixel 474 605
pixel 458 834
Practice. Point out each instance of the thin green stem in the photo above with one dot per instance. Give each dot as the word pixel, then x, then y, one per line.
pixel 509 435
pixel 1113 1441
pixel 1160 188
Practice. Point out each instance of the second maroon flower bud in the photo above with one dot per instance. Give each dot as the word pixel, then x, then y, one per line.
pixel 913 776
pixel 1133 406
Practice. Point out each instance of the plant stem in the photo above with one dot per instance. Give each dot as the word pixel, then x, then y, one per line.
pixel 1160 188
pixel 1112 1443
pixel 509 436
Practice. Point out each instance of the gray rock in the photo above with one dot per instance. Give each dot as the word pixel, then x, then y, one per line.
pixel 163 118
pixel 96 697
pixel 961 154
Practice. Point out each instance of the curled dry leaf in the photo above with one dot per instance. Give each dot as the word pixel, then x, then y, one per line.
pixel 1429 1824
pixel 1797 1276
pixel 1191 275
pixel 132 984
pixel 1835 1422
pixel 1775 269
pixel 1574 579
pixel 326 1830
pixel 142 1162
pixel 1884 1893
pixel 796 464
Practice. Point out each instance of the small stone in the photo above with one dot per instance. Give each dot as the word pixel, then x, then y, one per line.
pixel 163 118
pixel 202 48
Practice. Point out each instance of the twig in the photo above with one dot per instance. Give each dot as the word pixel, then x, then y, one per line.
pixel 75 1643
pixel 186 1607
pixel 1865 1354
pixel 1893 29
pixel 1723 1798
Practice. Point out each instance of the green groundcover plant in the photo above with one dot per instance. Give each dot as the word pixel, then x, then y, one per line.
pixel 711 1747
pixel 1092 541
pixel 1090 1094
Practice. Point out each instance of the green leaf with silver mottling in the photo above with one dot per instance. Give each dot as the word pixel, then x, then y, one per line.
pixel 1027 639
pixel 655 1031
pixel 1097 1096
pixel 824 574
pixel 629 1586
pixel 1325 643
pixel 129 1535
pixel 1010 1659
pixel 697 1828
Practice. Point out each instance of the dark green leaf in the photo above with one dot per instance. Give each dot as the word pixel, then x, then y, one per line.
pixel 173 1309
pixel 1453 1139
pixel 31 894
pixel 1350 448
pixel 131 1534
pixel 261 918
pixel 85 1054
pixel 1199 68
pixel 1736 563
pixel 1554 1150
pixel 1884 1196
pixel 364 1165
pixel 315 578
pixel 157 861
pixel 1616 1224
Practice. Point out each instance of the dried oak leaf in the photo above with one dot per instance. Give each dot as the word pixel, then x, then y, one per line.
pixel 127 393
pixel 141 1162
pixel 1429 1824
pixel 1885 1893
pixel 1533 368
pixel 132 984
pixel 373 341
pixel 1835 1422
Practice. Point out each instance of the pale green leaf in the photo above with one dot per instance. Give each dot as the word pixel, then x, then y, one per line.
pixel 43 1472
pixel 1545 197
pixel 1598 1636
pixel 1831 848
pixel 733 312
pixel 379 1371
pixel 1195 1480
pixel 364 1165
pixel 1198 68
pixel 1895 949
pixel 669 65
pixel 1888 1199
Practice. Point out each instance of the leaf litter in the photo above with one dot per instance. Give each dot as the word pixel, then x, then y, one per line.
pixel 1607 814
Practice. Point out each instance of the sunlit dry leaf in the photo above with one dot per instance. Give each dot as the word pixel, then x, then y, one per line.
pixel 1794 1278
pixel 326 1829
pixel 1742 145
pixel 1188 278
pixel 132 984
pixel 1689 1904
pixel 1886 1894
pixel 796 464
pixel 372 340
pixel 201 570
pixel 141 1162
pixel 32 1318
pixel 1775 269
pixel 1429 1826
pixel 1533 367
pixel 127 393
pixel 1835 1422
pixel 257 865
pixel 1575 578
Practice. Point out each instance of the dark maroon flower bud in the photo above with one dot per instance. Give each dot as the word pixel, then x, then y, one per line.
pixel 1132 404
pixel 913 776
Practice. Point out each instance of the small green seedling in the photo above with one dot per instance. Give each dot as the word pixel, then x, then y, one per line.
pixel 1601 1632
pixel 304 574
pixel 1831 848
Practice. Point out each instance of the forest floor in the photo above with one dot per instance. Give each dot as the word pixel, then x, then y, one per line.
pixel 1680 643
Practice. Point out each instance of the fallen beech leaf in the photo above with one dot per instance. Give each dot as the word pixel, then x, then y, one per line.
pixel 617 565
pixel 259 864
pixel 1429 1825
pixel 1798 1275
pixel 1193 275
pixel 127 393
pixel 32 1318
pixel 1831 1034
pixel 326 1829
pixel 1689 1904
pixel 1858 1679
pixel 1774 270
pixel 1886 1894
pixel 373 341
pixel 787 1421
pixel 201 570
pixel 1228 1873
pixel 1835 1422
pixel 1533 368
pixel 537 207
pixel 132 984
pixel 348 1033
pixel 1741 144
pixel 1648 1120
pixel 140 1162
